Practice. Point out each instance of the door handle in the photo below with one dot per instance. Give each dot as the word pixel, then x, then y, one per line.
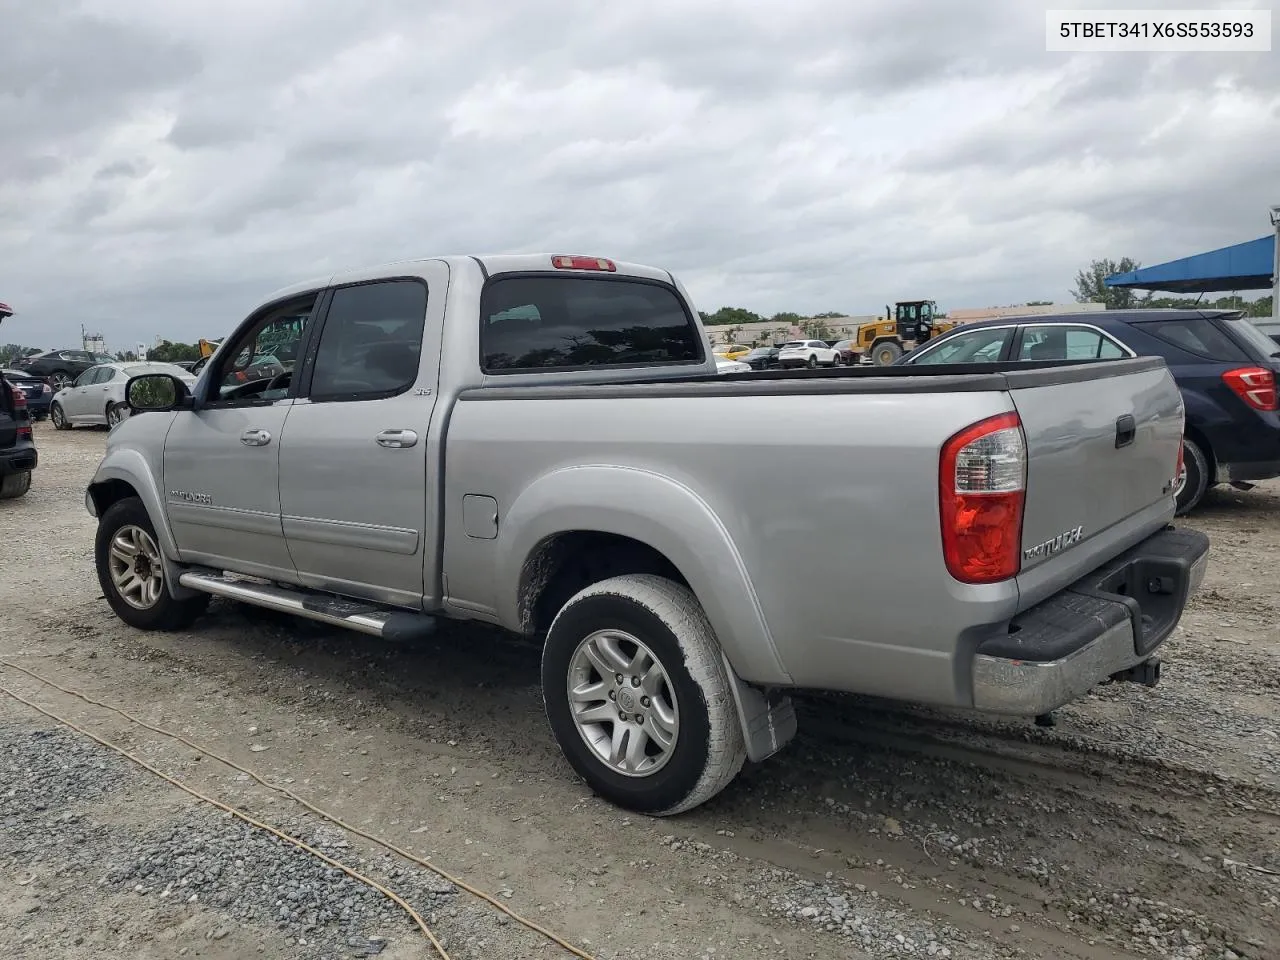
pixel 396 439
pixel 255 438
pixel 1126 428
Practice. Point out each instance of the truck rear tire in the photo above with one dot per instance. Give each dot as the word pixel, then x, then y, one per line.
pixel 131 572
pixel 638 697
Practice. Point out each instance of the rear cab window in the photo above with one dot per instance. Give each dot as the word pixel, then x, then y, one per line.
pixel 543 322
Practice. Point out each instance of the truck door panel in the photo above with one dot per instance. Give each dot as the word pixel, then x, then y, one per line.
pixel 222 461
pixel 354 476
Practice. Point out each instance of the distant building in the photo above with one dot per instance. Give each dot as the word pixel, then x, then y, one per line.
pixel 970 314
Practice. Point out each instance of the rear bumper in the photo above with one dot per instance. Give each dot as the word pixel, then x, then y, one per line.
pixel 1108 621
pixel 18 459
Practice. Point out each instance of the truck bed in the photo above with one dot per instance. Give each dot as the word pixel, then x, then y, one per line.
pixel 825 483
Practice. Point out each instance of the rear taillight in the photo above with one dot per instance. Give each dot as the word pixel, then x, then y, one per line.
pixel 20 406
pixel 1256 386
pixel 982 484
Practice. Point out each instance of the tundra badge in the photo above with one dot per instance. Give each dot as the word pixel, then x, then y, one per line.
pixel 191 497
pixel 1068 538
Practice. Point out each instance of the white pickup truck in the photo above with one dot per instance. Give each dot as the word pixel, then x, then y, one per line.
pixel 543 443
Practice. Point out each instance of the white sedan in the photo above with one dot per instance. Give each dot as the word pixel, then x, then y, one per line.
pixel 808 353
pixel 731 366
pixel 97 395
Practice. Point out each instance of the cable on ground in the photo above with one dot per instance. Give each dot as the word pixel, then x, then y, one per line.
pixel 349 871
pixel 285 791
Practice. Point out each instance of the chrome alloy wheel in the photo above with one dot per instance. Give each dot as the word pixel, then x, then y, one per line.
pixel 136 568
pixel 622 703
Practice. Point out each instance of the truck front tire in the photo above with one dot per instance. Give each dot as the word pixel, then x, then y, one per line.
pixel 131 571
pixel 638 697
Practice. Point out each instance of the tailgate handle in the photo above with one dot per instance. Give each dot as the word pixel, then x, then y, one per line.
pixel 1125 430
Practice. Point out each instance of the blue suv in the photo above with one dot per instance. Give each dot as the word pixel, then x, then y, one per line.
pixel 1226 367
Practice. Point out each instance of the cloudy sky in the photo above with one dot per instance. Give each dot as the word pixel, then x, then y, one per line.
pixel 165 164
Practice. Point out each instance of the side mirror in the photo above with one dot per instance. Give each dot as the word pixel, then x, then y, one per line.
pixel 156 392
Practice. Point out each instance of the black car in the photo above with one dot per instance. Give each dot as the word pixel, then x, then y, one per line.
pixel 17 445
pixel 761 358
pixel 61 367
pixel 37 390
pixel 1225 366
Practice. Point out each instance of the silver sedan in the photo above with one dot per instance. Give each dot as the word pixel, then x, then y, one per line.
pixel 96 397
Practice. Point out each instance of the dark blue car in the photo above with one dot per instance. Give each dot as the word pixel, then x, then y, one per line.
pixel 37 390
pixel 1225 366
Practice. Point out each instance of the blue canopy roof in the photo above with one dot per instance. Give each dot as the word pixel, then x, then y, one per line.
pixel 1244 266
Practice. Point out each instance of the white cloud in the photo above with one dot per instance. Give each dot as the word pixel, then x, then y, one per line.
pixel 165 164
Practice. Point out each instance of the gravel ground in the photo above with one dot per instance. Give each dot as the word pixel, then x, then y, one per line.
pixel 1145 824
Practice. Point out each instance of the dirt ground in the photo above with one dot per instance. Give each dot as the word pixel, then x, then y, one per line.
pixel 1145 824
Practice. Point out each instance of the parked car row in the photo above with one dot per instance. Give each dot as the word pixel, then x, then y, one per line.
pixel 822 353
pixel 60 367
pixel 1225 366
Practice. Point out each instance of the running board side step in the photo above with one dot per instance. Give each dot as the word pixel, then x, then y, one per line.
pixel 387 623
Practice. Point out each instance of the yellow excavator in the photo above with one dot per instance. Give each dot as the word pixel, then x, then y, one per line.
pixel 909 324
pixel 207 347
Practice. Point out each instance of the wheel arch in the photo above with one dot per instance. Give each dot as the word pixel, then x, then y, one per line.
pixel 641 519
pixel 1197 436
pixel 125 473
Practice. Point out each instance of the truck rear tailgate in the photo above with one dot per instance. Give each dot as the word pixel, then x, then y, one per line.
pixel 1102 448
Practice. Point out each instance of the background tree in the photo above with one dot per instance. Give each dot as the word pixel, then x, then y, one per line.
pixel 1252 308
pixel 169 352
pixel 1091 288
pixel 816 328
pixel 734 315
pixel 11 352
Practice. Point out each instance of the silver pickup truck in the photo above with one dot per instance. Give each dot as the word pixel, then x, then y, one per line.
pixel 543 443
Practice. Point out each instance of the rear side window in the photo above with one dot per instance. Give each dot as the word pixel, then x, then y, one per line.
pixel 1067 343
pixel 371 341
pixel 1197 336
pixel 554 322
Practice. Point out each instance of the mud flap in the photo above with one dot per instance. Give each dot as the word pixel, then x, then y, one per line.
pixel 768 719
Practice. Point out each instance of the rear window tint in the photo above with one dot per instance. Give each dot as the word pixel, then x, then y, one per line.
pixel 1197 336
pixel 555 322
